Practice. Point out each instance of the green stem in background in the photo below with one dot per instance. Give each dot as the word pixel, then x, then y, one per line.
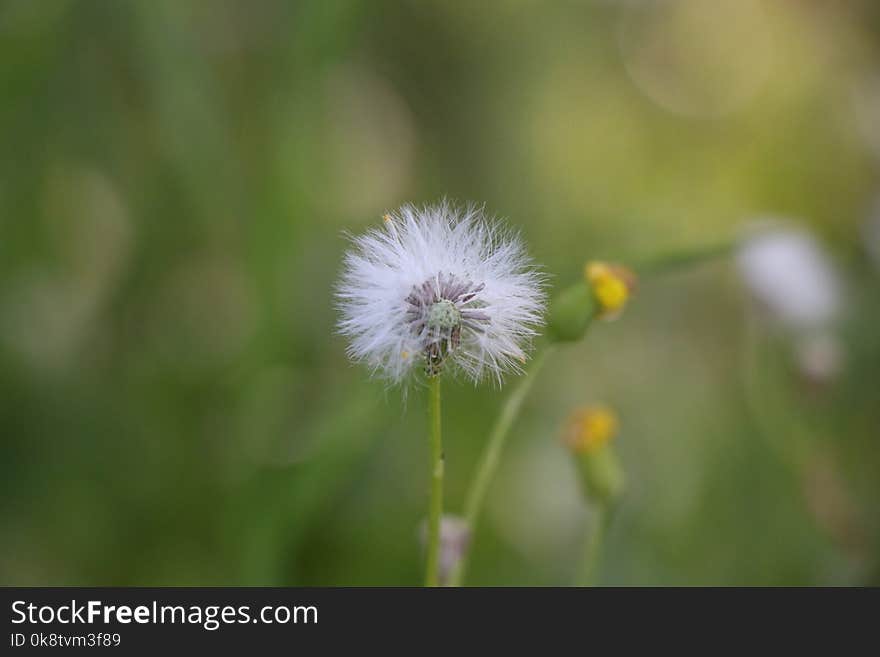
pixel 435 508
pixel 593 547
pixel 675 260
pixel 570 318
pixel 764 401
pixel 491 456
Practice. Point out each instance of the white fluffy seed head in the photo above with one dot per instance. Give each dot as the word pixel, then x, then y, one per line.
pixel 439 288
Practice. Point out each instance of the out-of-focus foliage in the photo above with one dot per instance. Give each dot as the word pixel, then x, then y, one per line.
pixel 175 180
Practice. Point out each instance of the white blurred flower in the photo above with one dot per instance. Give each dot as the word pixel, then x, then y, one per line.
pixel 439 286
pixel 791 277
pixel 455 538
pixel 820 357
pixel 796 283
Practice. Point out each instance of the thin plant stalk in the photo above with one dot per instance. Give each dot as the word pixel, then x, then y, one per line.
pixel 683 258
pixel 491 456
pixel 435 505
pixel 492 453
pixel 593 547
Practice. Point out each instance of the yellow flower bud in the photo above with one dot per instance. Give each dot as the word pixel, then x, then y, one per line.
pixel 588 434
pixel 590 428
pixel 611 285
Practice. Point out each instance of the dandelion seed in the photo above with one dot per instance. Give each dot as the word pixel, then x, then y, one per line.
pixel 440 287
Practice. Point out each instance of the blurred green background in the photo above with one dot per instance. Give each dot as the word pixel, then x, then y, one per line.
pixel 175 181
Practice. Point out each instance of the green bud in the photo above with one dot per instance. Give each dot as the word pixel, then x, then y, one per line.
pixel 601 474
pixel 571 312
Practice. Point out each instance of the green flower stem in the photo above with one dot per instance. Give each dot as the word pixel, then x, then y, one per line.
pixel 593 550
pixel 573 320
pixel 491 456
pixel 435 508
pixel 676 260
pixel 785 428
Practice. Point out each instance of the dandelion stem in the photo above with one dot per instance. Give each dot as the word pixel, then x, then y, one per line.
pixel 435 508
pixel 593 549
pixel 491 456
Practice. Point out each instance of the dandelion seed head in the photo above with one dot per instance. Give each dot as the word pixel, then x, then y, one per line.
pixel 440 287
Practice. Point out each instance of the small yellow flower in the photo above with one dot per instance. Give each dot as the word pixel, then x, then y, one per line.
pixel 588 434
pixel 611 285
pixel 590 428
